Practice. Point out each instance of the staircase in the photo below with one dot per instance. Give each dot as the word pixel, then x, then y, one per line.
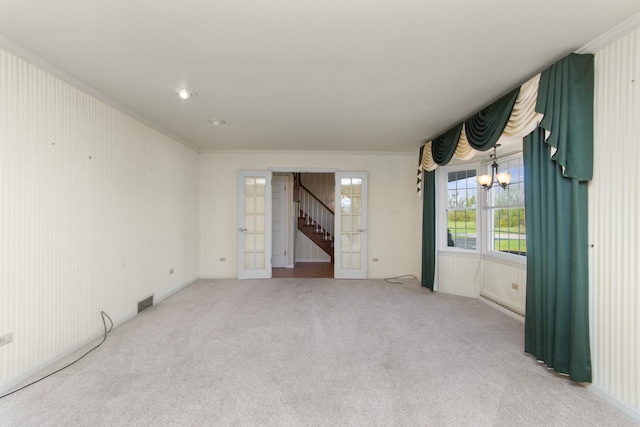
pixel 315 219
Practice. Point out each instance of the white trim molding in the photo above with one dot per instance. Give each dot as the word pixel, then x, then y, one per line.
pixel 611 36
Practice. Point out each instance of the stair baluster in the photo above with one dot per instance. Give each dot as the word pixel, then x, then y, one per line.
pixel 315 220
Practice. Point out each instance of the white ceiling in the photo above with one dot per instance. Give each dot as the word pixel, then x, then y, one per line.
pixel 356 75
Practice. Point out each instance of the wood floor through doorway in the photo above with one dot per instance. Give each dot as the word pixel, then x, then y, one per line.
pixel 309 270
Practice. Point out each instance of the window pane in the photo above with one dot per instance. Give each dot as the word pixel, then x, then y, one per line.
pixel 357 186
pixel 356 205
pixel 260 223
pixel 508 234
pixel 355 261
pixel 261 184
pixel 462 229
pixel 345 258
pixel 346 225
pixel 345 186
pixel 249 186
pixel 345 204
pixel 260 204
pixel 461 213
pixel 453 198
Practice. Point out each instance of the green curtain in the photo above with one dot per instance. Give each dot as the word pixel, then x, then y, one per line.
pixel 557 306
pixel 444 146
pixel 565 97
pixel 428 228
pixel 485 128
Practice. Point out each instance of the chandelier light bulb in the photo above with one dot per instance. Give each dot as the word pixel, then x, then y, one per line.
pixel 484 180
pixel 504 178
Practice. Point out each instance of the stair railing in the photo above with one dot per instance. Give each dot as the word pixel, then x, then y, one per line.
pixel 316 213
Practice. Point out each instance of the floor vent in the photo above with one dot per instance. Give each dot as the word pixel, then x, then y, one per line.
pixel 145 303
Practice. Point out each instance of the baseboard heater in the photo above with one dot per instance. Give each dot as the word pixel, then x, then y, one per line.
pixel 501 304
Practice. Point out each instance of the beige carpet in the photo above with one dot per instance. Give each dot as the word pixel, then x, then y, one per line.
pixel 305 352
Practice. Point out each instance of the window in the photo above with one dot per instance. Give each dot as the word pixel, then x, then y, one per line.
pixel 462 209
pixel 471 219
pixel 505 211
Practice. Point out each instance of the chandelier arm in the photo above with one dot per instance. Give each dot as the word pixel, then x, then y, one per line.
pixel 494 173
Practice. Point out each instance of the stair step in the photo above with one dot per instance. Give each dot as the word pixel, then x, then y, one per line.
pixel 317 237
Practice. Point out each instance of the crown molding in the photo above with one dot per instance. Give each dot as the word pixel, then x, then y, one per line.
pixel 612 35
pixel 33 59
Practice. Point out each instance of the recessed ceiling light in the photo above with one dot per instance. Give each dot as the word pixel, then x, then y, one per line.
pixel 217 122
pixel 186 94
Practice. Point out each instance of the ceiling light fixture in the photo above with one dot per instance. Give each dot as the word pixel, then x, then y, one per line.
pixel 217 122
pixel 487 180
pixel 186 94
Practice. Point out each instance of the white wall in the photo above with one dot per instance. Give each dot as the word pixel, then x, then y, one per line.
pixel 95 209
pixel 474 275
pixel 458 274
pixel 614 231
pixel 497 282
pixel 394 208
pixel 322 185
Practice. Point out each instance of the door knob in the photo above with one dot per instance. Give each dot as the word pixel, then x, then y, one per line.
pixel 242 229
pixel 362 230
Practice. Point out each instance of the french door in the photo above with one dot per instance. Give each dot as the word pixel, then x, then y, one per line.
pixel 350 241
pixel 254 225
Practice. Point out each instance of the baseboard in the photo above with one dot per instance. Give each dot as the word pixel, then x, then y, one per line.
pixel 499 307
pixel 628 410
pixel 176 290
pixel 6 387
pixel 313 260
pixel 460 294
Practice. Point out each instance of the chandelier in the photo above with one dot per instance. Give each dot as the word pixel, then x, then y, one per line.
pixel 487 180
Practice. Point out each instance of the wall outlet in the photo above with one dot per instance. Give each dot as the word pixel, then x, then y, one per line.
pixel 376 259
pixel 515 286
pixel 6 339
pixel 222 259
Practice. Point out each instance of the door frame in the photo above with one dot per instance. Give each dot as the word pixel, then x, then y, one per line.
pixel 284 217
pixel 268 243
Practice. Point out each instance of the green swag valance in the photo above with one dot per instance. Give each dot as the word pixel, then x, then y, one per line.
pixel 485 127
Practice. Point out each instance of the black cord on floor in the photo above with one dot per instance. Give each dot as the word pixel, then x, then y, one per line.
pixel 104 338
pixel 406 276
